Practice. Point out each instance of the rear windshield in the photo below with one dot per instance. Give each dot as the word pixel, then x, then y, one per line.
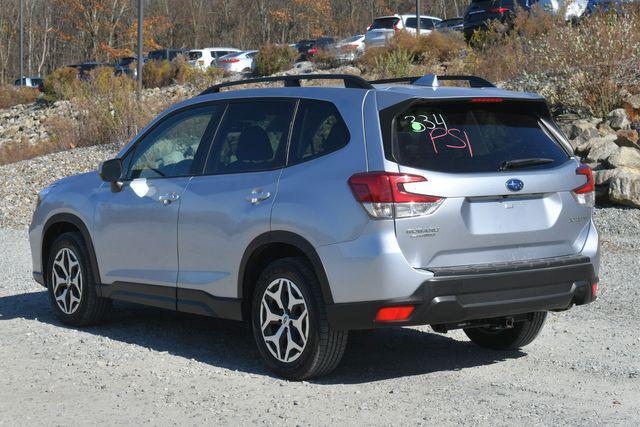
pixel 384 23
pixel 471 137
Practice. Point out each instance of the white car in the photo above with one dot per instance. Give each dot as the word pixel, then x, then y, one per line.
pixel 237 62
pixel 385 27
pixel 205 58
pixel 573 9
pixel 350 48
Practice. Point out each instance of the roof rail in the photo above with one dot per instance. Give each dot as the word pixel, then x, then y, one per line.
pixel 432 80
pixel 350 81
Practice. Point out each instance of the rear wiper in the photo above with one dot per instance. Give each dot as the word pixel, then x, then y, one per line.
pixel 523 163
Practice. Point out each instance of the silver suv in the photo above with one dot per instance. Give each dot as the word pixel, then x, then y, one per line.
pixel 312 211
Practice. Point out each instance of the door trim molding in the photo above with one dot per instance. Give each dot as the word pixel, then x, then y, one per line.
pixel 193 301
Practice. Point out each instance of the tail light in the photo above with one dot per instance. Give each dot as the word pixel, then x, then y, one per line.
pixel 499 10
pixel 369 27
pixel 229 61
pixel 384 195
pixel 585 194
pixel 395 27
pixel 486 100
pixel 312 51
pixel 394 314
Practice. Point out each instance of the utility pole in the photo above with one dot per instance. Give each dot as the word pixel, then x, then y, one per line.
pixel 140 57
pixel 21 42
pixel 417 18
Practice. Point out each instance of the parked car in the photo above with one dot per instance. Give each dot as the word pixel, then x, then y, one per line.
pixel 617 6
pixel 453 24
pixel 572 9
pixel 85 68
pixel 308 48
pixel 481 12
pixel 33 82
pixel 312 211
pixel 385 27
pixel 205 58
pixel 127 66
pixel 350 48
pixel 238 62
pixel 165 54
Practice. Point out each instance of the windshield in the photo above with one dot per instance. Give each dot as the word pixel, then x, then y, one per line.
pixel 471 137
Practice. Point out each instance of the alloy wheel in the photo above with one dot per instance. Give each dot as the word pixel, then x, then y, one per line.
pixel 284 320
pixel 67 281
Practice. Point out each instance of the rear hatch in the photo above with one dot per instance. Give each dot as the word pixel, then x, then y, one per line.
pixel 502 185
pixel 480 11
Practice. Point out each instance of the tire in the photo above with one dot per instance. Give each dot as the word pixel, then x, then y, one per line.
pixel 522 334
pixel 74 301
pixel 324 346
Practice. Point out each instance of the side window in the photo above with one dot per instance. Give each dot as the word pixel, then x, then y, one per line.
pixel 427 23
pixel 252 137
pixel 170 149
pixel 319 130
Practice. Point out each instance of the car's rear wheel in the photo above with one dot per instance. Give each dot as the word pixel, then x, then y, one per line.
pixel 290 324
pixel 521 334
pixel 70 283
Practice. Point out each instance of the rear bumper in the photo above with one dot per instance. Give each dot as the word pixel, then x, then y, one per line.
pixel 458 295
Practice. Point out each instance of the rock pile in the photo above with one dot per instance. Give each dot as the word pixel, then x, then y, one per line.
pixel 611 146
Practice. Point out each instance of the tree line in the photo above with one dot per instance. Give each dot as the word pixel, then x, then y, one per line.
pixel 60 32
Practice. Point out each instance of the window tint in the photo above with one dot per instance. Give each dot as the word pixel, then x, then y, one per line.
pixel 428 24
pixel 252 137
pixel 319 130
pixel 425 23
pixel 169 150
pixel 461 137
pixel 384 23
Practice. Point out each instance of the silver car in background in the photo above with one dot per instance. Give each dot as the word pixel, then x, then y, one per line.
pixel 237 62
pixel 350 49
pixel 384 28
pixel 312 211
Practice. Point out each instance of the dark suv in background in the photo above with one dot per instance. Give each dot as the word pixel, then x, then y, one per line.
pixel 481 12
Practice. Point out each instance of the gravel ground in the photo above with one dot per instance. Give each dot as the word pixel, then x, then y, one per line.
pixel 21 181
pixel 149 366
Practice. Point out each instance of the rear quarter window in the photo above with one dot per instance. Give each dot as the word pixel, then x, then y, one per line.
pixel 465 137
pixel 319 130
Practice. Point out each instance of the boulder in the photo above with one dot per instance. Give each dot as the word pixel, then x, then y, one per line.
pixel 585 129
pixel 632 107
pixel 618 119
pixel 603 176
pixel 599 149
pixel 625 157
pixel 628 138
pixel 583 146
pixel 624 188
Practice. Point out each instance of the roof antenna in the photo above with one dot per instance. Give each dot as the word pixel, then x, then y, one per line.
pixel 428 80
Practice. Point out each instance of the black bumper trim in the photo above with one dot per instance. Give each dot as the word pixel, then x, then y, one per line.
pixel 506 290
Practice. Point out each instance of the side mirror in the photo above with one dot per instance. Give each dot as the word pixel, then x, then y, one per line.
pixel 110 170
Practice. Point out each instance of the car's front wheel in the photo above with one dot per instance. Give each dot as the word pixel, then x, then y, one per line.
pixel 521 334
pixel 70 282
pixel 290 324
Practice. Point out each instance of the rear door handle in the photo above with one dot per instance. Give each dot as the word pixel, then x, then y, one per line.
pixel 257 196
pixel 167 199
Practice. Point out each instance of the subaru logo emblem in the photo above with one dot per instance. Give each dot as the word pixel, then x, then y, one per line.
pixel 515 185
